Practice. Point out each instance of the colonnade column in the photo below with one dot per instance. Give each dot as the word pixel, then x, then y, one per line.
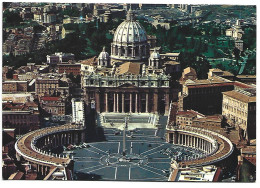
pixel 136 102
pixel 133 51
pixel 147 103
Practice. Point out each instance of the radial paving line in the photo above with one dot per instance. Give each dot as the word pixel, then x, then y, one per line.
pixel 152 153
pixel 90 167
pixel 150 171
pixel 97 169
pixel 115 173
pixel 91 151
pixel 130 173
pixel 151 149
pixel 98 149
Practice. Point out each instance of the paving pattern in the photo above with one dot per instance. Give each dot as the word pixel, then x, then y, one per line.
pixel 147 157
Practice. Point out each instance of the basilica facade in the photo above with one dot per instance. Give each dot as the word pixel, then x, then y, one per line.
pixel 131 79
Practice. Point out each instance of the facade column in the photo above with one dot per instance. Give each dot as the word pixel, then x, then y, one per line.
pixel 97 97
pixel 133 51
pixel 126 51
pixel 68 138
pixel 140 51
pixel 117 102
pixel 114 109
pixel 119 51
pixel 179 138
pixel 131 98
pixel 155 102
pixel 106 102
pixel 136 102
pixel 182 139
pixel 147 103
pixel 123 103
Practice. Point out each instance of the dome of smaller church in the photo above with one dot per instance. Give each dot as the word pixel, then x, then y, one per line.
pixel 103 55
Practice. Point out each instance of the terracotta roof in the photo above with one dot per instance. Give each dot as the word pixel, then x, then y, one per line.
pixel 242 85
pixel 211 118
pixel 210 85
pixel 190 113
pixel 249 150
pixel 246 76
pixel 16 176
pixel 239 96
pixel 189 70
pixel 216 70
pixel 90 61
pixel 129 67
pixel 50 98
pixel 226 73
pixel 171 63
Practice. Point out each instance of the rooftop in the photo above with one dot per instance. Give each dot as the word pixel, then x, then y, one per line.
pixel 189 70
pixel 190 113
pixel 90 61
pixel 129 68
pixel 50 98
pixel 240 96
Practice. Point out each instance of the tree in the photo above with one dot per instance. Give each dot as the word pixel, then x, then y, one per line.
pixel 11 18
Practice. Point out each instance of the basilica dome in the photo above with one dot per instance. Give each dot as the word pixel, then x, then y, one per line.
pixel 130 41
pixel 130 32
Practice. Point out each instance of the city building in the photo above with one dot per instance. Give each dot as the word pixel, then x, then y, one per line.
pixel 239 107
pixel 185 118
pixel 202 174
pixel 188 74
pixel 59 57
pixel 212 122
pixel 205 96
pixel 8 166
pixel 239 45
pixel 53 105
pixel 14 86
pixel 53 85
pixel 68 68
pixel 22 117
pixel 247 79
pixel 220 73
